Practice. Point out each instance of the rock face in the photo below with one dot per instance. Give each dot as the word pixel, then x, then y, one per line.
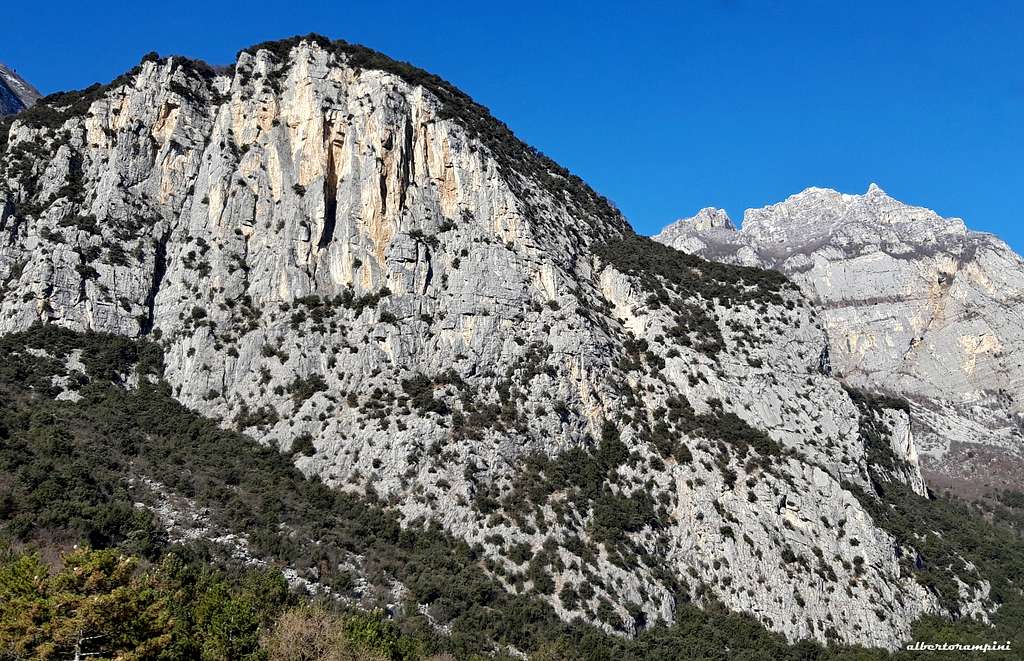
pixel 352 261
pixel 912 303
pixel 15 93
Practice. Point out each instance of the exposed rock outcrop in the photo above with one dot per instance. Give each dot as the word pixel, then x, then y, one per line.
pixel 15 93
pixel 343 254
pixel 913 304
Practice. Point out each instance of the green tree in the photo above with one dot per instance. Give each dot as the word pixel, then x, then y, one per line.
pixel 95 604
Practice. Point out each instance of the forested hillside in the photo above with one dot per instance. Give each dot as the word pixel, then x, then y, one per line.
pixel 90 565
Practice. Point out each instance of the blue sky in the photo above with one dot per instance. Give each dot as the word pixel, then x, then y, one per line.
pixel 663 107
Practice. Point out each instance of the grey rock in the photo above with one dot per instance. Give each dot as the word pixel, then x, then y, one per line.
pixel 913 304
pixel 329 250
pixel 16 93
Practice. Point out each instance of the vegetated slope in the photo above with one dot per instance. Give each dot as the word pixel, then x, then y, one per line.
pixel 353 263
pixel 90 433
pixel 913 304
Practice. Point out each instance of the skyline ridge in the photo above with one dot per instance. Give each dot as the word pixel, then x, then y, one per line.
pixel 674 108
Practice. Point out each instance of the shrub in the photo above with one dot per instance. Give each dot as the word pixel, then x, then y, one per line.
pixel 303 444
pixel 302 388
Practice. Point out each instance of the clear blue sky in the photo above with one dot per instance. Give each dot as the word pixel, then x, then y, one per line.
pixel 663 108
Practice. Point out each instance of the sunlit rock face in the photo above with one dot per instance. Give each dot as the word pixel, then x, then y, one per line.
pixel 912 303
pixel 341 253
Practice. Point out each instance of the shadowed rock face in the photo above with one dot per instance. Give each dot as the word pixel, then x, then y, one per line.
pixel 341 253
pixel 912 303
pixel 15 93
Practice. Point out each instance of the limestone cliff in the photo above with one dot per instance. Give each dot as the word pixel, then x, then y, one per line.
pixel 350 260
pixel 913 304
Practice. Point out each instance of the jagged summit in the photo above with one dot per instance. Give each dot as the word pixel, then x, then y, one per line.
pixel 871 212
pixel 16 93
pixel 810 209
pixel 709 218
pixel 786 230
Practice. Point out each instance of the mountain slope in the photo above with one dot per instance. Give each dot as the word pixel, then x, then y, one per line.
pixel 352 262
pixel 15 93
pixel 66 482
pixel 913 304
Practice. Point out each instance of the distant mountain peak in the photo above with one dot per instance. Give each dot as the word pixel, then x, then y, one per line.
pixel 16 93
pixel 710 218
pixel 913 302
pixel 872 217
pixel 707 220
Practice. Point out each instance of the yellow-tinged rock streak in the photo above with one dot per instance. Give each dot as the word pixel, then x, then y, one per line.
pixel 974 346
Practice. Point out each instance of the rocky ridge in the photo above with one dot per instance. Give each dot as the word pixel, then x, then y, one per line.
pixel 15 93
pixel 351 261
pixel 914 304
